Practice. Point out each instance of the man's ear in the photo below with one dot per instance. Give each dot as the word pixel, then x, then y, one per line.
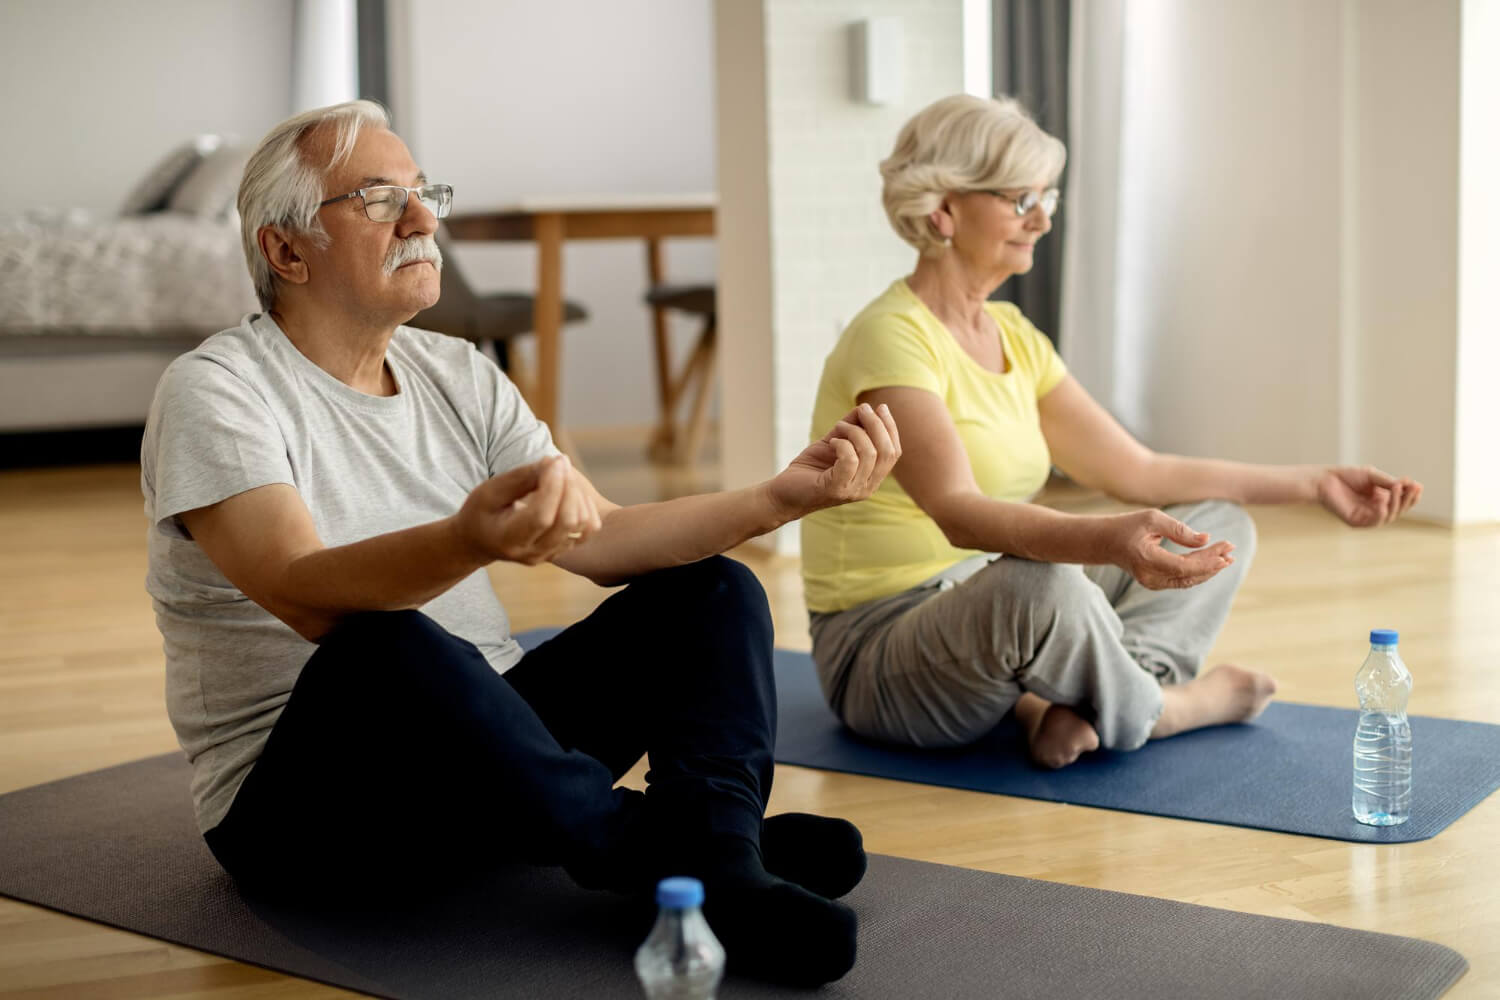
pixel 284 256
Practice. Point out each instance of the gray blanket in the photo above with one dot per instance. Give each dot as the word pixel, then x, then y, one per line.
pixel 141 274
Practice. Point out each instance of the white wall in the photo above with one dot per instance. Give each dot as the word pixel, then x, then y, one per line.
pixel 1406 244
pixel 1227 255
pixel 94 92
pixel 830 247
pixel 1303 258
pixel 511 100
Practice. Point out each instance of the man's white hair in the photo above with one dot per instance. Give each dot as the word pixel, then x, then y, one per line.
pixel 282 187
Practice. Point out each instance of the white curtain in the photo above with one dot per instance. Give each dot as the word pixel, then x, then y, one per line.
pixel 1090 286
pixel 325 63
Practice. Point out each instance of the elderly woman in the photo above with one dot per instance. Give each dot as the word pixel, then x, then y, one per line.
pixel 948 598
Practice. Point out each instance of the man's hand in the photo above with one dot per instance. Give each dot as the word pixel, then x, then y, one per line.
pixel 845 465
pixel 1137 549
pixel 1364 496
pixel 529 514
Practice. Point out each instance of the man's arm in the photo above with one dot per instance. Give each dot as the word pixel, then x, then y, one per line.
pixel 844 466
pixel 265 543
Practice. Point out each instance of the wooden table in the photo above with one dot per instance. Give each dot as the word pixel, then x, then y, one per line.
pixel 549 222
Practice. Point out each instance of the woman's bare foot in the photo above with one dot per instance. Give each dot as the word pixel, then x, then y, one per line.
pixel 1225 694
pixel 1058 735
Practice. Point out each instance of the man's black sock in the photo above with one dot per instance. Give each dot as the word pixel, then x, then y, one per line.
pixel 780 932
pixel 820 853
pixel 771 929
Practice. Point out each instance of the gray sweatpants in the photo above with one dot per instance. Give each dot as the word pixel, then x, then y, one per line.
pixel 940 664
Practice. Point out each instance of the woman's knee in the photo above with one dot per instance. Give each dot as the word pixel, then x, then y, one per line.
pixel 1054 593
pixel 1224 521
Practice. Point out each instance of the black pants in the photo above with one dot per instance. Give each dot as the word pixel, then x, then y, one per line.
pixel 403 761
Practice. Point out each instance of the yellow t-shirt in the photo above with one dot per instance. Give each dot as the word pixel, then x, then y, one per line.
pixel 862 551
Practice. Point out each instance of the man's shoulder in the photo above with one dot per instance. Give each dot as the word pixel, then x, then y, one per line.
pixel 235 348
pixel 426 344
pixel 450 363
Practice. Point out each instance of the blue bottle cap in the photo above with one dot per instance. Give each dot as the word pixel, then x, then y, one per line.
pixel 1383 636
pixel 679 892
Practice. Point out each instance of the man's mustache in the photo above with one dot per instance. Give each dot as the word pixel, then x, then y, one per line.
pixel 411 250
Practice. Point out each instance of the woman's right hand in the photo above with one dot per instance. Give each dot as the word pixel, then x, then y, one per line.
pixel 1137 549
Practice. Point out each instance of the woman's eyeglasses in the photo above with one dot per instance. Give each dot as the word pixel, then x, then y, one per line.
pixel 1024 202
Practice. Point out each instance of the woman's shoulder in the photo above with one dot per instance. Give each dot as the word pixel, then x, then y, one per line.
pixel 886 343
pixel 1009 315
pixel 1030 349
pixel 1014 323
pixel 895 314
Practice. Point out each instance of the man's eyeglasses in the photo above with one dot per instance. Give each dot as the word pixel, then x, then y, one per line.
pixel 387 202
pixel 1024 202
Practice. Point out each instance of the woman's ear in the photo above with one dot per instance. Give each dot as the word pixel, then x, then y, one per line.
pixel 941 221
pixel 282 254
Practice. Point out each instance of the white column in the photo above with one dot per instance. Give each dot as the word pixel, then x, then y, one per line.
pixel 1477 486
pixel 803 240
pixel 743 235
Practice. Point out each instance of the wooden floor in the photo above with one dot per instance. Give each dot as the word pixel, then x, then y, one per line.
pixel 81 688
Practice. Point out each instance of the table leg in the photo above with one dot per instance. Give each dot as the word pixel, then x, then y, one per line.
pixel 663 437
pixel 546 318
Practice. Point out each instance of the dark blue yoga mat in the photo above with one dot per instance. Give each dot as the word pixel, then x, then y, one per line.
pixel 1290 770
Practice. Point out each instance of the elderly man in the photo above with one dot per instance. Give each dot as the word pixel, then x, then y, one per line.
pixel 326 488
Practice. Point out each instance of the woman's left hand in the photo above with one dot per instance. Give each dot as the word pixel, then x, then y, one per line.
pixel 1365 497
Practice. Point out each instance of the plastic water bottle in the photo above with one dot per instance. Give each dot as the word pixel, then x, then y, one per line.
pixel 680 959
pixel 1382 743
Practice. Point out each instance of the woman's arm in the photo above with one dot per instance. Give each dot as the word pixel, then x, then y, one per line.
pixel 1094 450
pixel 935 472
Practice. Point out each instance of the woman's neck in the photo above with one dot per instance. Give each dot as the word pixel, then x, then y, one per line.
pixel 953 292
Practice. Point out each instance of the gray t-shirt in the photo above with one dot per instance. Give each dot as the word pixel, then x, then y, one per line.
pixel 247 409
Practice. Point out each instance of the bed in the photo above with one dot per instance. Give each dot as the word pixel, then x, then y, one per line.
pixel 93 309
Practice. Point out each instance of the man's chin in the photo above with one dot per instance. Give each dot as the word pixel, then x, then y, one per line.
pixel 421 305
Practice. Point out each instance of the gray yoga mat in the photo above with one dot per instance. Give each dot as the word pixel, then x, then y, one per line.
pixel 119 846
pixel 1291 770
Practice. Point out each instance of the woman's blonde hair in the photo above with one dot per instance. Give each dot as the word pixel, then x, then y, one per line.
pixel 963 143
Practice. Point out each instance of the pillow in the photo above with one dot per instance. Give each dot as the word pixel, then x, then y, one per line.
pixel 152 191
pixel 210 189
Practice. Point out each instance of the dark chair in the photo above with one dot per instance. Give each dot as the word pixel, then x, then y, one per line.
pixel 491 320
pixel 671 443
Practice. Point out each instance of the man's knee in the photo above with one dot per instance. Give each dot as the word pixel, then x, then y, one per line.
pixel 718 588
pixel 394 643
pixel 389 633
